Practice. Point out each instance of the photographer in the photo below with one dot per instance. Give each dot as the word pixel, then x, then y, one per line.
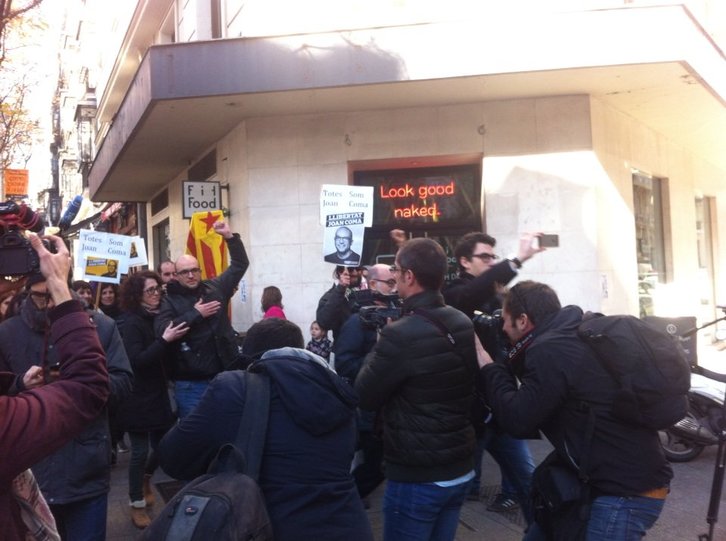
pixel 74 479
pixel 479 287
pixel 39 421
pixel 356 338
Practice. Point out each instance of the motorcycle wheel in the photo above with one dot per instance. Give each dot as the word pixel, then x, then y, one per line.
pixel 678 448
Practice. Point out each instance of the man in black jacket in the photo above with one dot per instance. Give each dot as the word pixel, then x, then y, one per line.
pixel 566 393
pixel 210 346
pixel 479 287
pixel 421 371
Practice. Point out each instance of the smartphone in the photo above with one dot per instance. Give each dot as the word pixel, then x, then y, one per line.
pixel 549 241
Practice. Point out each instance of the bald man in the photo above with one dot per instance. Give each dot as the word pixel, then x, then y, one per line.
pixel 343 255
pixel 210 346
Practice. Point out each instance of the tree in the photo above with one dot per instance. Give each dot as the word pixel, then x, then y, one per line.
pixel 10 10
pixel 18 130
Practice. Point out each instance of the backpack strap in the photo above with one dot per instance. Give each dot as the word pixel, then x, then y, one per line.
pixel 253 427
pixel 426 314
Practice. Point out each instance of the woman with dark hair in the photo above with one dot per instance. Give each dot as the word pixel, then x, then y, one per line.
pixel 146 415
pixel 272 303
pixel 108 300
pixel 84 290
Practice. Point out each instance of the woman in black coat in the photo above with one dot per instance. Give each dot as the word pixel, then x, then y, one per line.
pixel 147 414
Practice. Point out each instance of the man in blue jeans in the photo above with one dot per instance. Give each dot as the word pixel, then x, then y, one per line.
pixel 477 292
pixel 421 372
pixel 566 393
pixel 210 346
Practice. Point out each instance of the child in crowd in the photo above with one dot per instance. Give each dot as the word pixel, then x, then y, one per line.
pixel 320 344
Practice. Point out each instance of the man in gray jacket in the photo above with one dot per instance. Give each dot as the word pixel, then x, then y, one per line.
pixel 422 371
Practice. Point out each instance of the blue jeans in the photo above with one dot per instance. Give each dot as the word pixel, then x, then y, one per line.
pixel 614 518
pixel 188 394
pixel 422 511
pixel 621 518
pixel 82 521
pixel 515 464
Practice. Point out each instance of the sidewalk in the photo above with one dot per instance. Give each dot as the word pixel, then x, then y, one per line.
pixel 683 518
pixel 476 523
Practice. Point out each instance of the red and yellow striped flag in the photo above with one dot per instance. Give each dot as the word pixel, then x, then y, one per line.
pixel 206 244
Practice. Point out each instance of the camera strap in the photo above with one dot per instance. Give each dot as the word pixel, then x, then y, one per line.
pixel 430 317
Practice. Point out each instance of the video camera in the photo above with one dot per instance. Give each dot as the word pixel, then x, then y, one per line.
pixel 375 315
pixel 17 256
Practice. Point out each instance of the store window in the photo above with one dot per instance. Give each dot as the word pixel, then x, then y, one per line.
pixel 162 250
pixel 442 203
pixel 705 283
pixel 648 204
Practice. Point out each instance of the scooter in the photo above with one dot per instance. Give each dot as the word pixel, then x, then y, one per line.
pixel 700 428
pixel 703 424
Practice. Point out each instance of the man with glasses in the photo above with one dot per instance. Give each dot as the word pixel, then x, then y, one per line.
pixel 210 346
pixel 74 479
pixel 482 277
pixel 355 341
pixel 421 371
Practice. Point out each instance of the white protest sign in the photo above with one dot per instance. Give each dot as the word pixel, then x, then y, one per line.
pixel 104 257
pixel 137 253
pixel 343 199
pixel 345 211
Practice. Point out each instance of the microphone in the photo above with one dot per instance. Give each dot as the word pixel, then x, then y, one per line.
pixel 70 213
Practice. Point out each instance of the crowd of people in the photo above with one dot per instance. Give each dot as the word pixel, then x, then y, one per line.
pixel 413 398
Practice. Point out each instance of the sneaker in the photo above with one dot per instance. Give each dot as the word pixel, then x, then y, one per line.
pixel 502 503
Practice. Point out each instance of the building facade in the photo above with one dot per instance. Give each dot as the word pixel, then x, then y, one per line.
pixel 601 121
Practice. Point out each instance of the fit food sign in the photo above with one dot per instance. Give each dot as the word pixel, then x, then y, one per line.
pixel 200 197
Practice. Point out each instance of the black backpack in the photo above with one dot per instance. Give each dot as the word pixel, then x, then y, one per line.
pixel 225 504
pixel 650 367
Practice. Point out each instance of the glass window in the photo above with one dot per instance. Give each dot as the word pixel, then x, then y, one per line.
pixel 649 236
pixel 161 242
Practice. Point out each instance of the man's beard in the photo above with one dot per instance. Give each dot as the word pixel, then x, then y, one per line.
pixel 36 318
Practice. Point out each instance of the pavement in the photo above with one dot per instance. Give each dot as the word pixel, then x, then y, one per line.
pixel 683 518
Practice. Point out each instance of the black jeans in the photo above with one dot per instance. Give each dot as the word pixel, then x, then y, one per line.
pixel 141 463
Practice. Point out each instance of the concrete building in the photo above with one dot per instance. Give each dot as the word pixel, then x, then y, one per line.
pixel 602 121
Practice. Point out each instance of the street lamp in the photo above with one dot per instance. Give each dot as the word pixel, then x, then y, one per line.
pixel 85 115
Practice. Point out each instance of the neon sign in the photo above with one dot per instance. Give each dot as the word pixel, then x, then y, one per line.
pixel 417 209
pixel 442 195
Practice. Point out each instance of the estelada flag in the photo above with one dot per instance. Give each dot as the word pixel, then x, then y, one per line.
pixel 206 244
